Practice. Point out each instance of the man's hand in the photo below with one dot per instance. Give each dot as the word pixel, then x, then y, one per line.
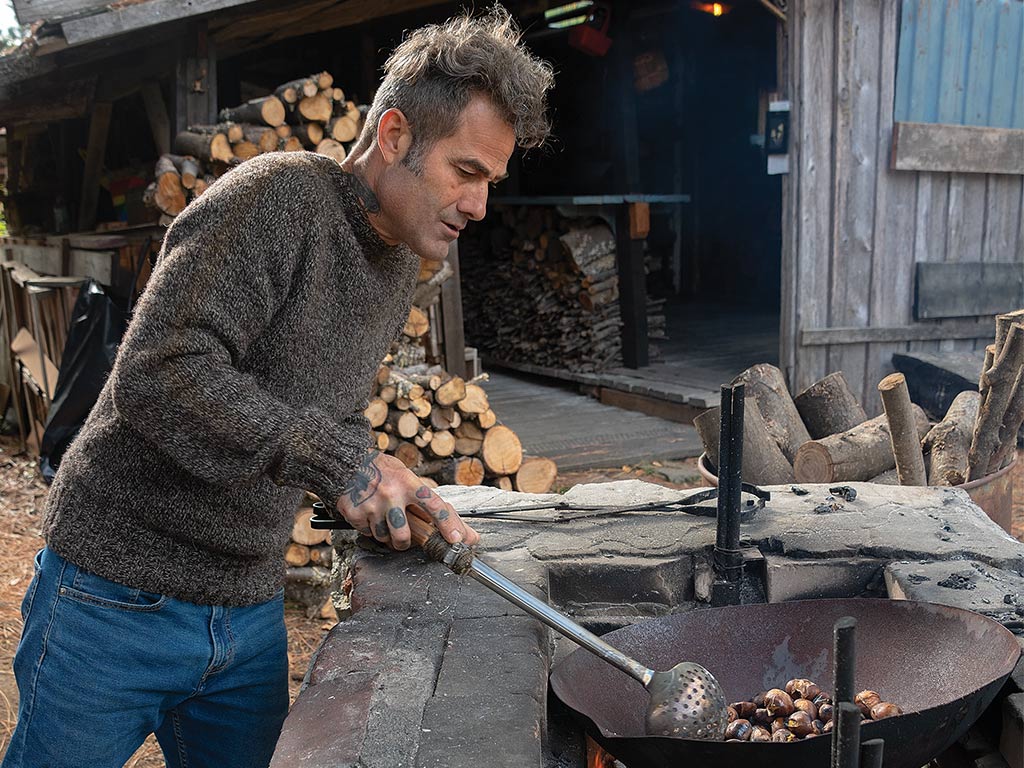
pixel 375 502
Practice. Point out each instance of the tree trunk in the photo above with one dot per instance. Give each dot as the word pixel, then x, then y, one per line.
pixel 535 475
pixel 309 134
pixel 451 392
pixel 999 379
pixel 342 128
pixel 950 439
pixel 266 139
pixel 763 460
pixel 829 406
pixel 268 110
pixel 767 385
pixel 860 453
pixel 906 443
pixel 205 146
pixel 502 452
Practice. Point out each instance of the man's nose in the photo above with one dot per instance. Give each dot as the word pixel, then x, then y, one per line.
pixel 473 203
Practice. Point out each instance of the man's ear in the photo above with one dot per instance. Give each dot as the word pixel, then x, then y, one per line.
pixel 394 136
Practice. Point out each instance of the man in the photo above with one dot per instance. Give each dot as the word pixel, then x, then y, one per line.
pixel 156 606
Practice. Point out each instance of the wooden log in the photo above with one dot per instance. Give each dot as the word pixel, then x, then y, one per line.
pixel 502 482
pixel 999 379
pixel 202 184
pixel 409 454
pixel 1013 418
pixel 469 439
pixel 382 440
pixel 475 401
pixel 245 150
pixel 860 453
pixel 291 144
pixel 421 407
pixel 1003 324
pixel 303 532
pixel 442 418
pixel 487 419
pixel 404 424
pixel 268 110
pixel 211 146
pixel 316 108
pixel 293 90
pixel 950 439
pixel 376 412
pixel 322 555
pixel 829 406
pixel 417 324
pixel 463 470
pixel 342 128
pixel 502 453
pixel 906 442
pixel 388 393
pixel 169 194
pixel 443 444
pixel 309 134
pixel 324 80
pixel 283 131
pixel 766 384
pixel 232 130
pixel 763 460
pixel 990 358
pixel 296 555
pixel 535 475
pixel 331 148
pixel 265 138
pixel 337 95
pixel 188 168
pixel 451 392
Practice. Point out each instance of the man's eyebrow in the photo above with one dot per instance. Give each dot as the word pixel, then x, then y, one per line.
pixel 480 168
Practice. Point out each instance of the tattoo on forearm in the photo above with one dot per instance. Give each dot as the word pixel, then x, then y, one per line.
pixel 433 504
pixel 365 195
pixel 396 518
pixel 381 530
pixel 364 483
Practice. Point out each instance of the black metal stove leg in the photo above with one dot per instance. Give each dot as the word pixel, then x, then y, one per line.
pixel 871 753
pixel 728 560
pixel 846 735
pixel 844 666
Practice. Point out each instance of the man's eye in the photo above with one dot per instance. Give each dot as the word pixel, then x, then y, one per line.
pixel 467 174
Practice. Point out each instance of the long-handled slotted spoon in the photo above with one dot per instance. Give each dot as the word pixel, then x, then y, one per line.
pixel 685 702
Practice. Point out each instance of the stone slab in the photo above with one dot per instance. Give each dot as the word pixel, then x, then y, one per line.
pixel 787 579
pixel 494 657
pixel 459 732
pixel 992 592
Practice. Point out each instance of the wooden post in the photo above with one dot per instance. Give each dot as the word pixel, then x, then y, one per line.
pixel 156 112
pixel 99 126
pixel 451 317
pixel 195 86
pixel 630 252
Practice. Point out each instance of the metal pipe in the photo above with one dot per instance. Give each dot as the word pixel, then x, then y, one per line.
pixel 844 663
pixel 728 558
pixel 540 610
pixel 871 753
pixel 847 735
pixel 735 473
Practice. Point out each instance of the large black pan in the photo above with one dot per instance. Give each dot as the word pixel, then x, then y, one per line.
pixel 942 666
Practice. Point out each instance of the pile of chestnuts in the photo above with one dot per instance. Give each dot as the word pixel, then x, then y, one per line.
pixel 798 712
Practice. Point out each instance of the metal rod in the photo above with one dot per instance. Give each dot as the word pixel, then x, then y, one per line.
pixel 735 476
pixel 728 559
pixel 871 753
pixel 540 610
pixel 844 663
pixel 847 735
pixel 724 467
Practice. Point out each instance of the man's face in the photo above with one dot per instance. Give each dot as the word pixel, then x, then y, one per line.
pixel 426 203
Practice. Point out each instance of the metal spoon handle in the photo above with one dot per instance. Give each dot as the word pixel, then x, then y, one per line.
pixel 559 622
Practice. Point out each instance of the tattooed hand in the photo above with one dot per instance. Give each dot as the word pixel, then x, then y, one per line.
pixel 377 498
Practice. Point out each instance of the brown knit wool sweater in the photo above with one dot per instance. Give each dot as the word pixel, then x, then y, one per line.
pixel 240 383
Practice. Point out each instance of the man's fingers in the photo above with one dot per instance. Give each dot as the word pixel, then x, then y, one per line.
pixel 398 524
pixel 445 517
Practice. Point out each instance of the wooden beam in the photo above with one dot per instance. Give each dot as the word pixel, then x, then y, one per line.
pixel 30 11
pixel 133 17
pixel 156 111
pixel 967 288
pixel 451 317
pixel 957 148
pixel 99 127
pixel 629 256
pixel 195 84
pixel 817 337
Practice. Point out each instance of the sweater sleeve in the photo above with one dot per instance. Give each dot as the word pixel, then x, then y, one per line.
pixel 225 270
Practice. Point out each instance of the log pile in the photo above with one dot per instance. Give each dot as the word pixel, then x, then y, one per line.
pixel 546 290
pixel 306 114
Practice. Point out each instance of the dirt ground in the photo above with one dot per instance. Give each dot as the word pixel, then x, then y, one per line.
pixel 22 494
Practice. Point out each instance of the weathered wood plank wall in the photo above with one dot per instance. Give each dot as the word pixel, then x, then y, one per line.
pixel 854 228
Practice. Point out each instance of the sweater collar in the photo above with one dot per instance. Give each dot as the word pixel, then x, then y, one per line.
pixel 369 239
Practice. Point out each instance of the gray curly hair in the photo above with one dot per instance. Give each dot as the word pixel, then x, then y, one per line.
pixel 432 75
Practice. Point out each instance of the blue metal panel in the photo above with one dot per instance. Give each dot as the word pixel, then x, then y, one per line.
pixel 961 62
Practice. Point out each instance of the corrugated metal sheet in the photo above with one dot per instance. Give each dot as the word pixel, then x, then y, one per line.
pixel 961 62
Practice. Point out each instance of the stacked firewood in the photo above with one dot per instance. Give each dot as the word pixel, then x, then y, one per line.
pixel 443 428
pixel 546 290
pixel 309 113
pixel 823 434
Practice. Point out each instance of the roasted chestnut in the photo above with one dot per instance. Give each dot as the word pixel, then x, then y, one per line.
pixel 866 700
pixel 759 699
pixel 778 724
pixel 779 703
pixel 744 709
pixel 822 698
pixel 825 713
pixel 803 689
pixel 762 717
pixel 760 733
pixel 805 705
pixel 731 713
pixel 784 736
pixel 819 727
pixel 829 726
pixel 738 729
pixel 799 723
pixel 884 709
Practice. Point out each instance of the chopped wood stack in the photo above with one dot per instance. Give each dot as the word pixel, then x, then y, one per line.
pixel 545 291
pixel 308 546
pixel 309 113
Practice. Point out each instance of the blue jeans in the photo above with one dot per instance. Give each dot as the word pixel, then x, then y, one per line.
pixel 100 666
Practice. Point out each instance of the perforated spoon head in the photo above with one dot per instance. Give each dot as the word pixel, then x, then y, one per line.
pixel 686 703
